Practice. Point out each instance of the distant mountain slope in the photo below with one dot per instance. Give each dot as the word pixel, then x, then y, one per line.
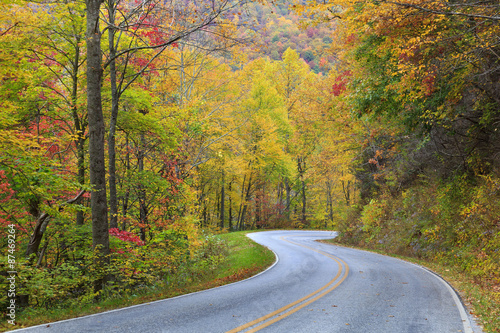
pixel 279 28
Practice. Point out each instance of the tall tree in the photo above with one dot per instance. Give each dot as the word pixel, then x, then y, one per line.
pixel 97 167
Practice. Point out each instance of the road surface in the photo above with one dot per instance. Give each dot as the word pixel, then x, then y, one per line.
pixel 313 287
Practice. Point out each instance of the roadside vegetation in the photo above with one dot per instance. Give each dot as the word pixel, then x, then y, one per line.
pixel 220 259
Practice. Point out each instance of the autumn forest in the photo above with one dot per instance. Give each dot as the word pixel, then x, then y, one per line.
pixel 133 132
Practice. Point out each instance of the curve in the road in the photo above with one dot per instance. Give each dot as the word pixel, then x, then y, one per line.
pixel 326 288
pixel 285 311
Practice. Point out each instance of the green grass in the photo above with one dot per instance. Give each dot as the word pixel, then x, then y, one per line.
pixel 483 300
pixel 244 259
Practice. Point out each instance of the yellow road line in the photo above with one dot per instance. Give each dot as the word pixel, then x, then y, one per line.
pixel 280 313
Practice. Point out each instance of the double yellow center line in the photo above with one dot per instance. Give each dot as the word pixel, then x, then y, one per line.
pixel 301 303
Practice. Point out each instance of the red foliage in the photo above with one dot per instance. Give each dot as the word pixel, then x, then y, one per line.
pixel 47 132
pixel 170 171
pixel 351 39
pixel 141 62
pixel 429 84
pixel 149 26
pixel 125 236
pixel 155 36
pixel 340 83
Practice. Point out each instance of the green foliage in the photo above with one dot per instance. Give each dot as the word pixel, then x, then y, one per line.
pixel 66 284
pixel 308 56
pixel 372 217
pixel 373 92
pixel 172 259
pixel 205 259
pixel 453 222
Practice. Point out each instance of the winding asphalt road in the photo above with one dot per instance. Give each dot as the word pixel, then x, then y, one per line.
pixel 313 287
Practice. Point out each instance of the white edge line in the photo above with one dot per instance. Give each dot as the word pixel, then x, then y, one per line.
pixel 466 320
pixel 153 302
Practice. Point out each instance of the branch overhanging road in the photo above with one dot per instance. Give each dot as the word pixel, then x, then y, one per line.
pixel 312 287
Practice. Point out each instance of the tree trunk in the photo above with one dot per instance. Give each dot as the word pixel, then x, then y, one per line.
pixel 143 211
pixel 329 202
pixel 288 201
pixel 205 216
pixel 217 207
pixel 113 200
pixel 241 222
pixel 41 225
pixel 242 199
pixel 304 218
pixel 230 225
pixel 81 172
pixel 301 166
pixel 222 199
pixel 279 198
pixel 79 127
pixel 346 189
pixel 37 235
pixel 258 207
pixel 98 202
pixel 127 193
